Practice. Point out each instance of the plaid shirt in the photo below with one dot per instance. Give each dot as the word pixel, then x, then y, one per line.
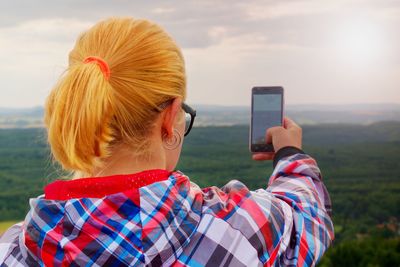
pixel 170 221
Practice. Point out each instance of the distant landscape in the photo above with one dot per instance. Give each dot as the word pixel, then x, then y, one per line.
pixel 357 152
pixel 209 115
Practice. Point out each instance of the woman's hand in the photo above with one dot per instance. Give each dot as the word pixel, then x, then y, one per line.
pixel 288 135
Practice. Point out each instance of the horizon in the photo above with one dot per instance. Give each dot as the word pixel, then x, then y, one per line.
pixel 333 52
pixel 220 115
pixel 381 104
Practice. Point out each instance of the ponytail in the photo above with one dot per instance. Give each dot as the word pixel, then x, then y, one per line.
pixel 78 112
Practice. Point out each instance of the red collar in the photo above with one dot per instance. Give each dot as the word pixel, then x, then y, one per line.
pixel 98 187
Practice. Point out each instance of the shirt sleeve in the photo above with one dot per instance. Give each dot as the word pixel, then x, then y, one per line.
pixel 8 242
pixel 298 206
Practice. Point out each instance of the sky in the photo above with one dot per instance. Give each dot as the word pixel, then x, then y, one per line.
pixel 321 52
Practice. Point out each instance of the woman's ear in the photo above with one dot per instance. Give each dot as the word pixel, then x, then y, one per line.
pixel 170 114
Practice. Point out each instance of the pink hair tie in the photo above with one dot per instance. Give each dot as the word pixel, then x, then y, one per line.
pixel 105 69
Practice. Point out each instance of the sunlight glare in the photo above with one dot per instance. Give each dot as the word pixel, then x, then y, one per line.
pixel 359 42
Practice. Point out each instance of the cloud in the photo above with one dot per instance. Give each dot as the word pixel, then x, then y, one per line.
pixel 228 45
pixel 34 54
pixel 163 10
pixel 279 9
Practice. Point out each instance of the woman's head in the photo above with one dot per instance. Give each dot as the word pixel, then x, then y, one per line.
pixel 88 113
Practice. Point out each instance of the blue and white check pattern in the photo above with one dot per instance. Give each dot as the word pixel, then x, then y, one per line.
pixel 176 223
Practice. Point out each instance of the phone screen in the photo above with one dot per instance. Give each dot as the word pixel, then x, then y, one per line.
pixel 267 105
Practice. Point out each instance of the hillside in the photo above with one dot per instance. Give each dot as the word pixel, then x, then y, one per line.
pixel 359 163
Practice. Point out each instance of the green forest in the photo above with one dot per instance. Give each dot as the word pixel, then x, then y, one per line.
pixel 360 166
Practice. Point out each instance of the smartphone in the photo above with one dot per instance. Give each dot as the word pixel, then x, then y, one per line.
pixel 266 111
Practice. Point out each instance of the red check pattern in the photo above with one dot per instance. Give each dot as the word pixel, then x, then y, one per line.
pixel 158 218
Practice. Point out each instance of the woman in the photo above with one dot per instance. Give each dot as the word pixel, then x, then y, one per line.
pixel 116 120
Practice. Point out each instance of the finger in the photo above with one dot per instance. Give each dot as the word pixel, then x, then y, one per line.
pixel 289 123
pixel 263 156
pixel 263 153
pixel 270 132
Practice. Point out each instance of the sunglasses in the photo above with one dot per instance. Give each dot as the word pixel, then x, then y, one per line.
pixel 190 114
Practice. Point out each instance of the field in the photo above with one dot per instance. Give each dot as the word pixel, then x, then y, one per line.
pixel 359 163
pixel 5 225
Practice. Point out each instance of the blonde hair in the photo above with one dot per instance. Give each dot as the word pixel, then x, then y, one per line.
pixel 86 113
